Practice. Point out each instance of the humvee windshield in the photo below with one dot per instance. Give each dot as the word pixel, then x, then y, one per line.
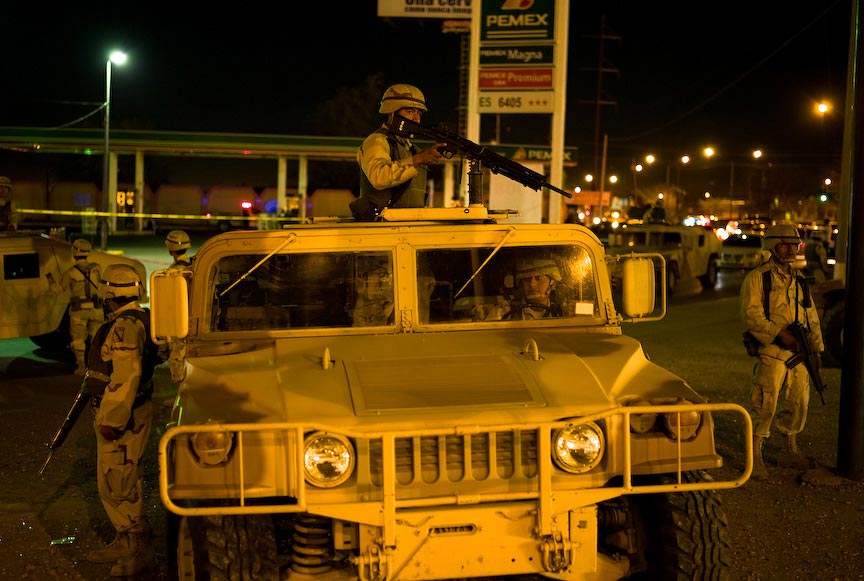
pixel 360 288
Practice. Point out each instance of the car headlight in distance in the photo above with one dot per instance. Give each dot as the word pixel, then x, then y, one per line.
pixel 578 448
pixel 212 448
pixel 328 459
pixel 684 428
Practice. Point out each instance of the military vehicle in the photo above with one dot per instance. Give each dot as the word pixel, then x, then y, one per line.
pixel 373 401
pixel 28 307
pixel 691 252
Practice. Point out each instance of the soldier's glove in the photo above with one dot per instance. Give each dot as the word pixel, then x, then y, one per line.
pixel 786 339
pixel 110 433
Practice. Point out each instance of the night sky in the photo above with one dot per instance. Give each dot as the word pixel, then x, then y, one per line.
pixel 736 74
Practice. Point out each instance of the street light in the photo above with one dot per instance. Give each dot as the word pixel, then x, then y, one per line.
pixel 118 58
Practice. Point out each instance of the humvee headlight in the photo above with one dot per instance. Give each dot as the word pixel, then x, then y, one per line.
pixel 212 448
pixel 682 425
pixel 328 459
pixel 577 449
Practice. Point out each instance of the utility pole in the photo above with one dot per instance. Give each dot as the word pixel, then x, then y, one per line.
pixel 599 96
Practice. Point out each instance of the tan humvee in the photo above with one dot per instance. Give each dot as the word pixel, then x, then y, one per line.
pixel 374 401
pixel 691 252
pixel 28 307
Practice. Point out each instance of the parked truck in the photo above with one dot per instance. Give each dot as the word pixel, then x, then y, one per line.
pixel 384 400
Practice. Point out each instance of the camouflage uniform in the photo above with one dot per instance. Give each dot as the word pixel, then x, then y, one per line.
pixel 8 213
pixel 117 364
pixel 85 309
pixel 120 381
pixel 177 346
pixel 785 306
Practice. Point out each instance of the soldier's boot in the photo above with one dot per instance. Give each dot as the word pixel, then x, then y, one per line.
pixel 791 444
pixel 760 472
pixel 142 557
pixel 80 366
pixel 795 459
pixel 120 548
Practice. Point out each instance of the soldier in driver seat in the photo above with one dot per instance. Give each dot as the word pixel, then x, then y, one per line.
pixel 535 290
pixel 533 296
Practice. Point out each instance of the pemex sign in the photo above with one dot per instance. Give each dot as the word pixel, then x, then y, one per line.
pixel 516 56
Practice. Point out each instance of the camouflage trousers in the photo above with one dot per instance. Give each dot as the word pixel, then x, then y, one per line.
pixel 83 324
pixel 177 359
pixel 119 470
pixel 773 380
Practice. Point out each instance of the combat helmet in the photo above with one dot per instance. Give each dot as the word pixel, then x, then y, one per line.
pixel 5 186
pixel 120 280
pixel 81 248
pixel 530 267
pixel 402 96
pixel 780 234
pixel 177 240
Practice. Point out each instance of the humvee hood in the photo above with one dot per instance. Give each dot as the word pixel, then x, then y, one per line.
pixel 513 375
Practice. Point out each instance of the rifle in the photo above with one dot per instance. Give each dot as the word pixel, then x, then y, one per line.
pixel 805 354
pixel 81 401
pixel 455 143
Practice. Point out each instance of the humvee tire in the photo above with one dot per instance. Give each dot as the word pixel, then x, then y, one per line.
pixel 681 536
pixel 224 547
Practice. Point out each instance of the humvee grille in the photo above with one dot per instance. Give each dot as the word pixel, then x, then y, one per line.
pixel 454 458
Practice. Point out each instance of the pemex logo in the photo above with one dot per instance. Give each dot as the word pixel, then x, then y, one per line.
pixel 517 4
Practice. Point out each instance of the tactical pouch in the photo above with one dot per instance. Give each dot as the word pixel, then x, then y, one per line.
pixel 751 344
pixel 365 210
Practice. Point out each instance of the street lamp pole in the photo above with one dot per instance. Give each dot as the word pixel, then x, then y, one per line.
pixel 119 58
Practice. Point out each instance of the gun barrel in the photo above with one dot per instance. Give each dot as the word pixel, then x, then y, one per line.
pixel 495 162
pixel 45 463
pixel 66 426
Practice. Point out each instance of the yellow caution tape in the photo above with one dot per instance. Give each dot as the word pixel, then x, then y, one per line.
pixel 94 213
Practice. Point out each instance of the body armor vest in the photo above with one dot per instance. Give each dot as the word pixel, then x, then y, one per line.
pixel 99 371
pixel 411 194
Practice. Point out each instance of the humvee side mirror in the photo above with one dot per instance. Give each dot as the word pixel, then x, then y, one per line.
pixel 169 306
pixel 637 287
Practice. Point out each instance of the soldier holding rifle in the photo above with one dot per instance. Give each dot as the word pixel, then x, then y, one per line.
pixel 776 305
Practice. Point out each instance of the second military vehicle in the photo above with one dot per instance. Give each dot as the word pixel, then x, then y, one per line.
pixel 28 306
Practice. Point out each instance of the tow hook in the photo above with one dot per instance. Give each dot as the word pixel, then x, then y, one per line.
pixel 557 554
pixel 372 566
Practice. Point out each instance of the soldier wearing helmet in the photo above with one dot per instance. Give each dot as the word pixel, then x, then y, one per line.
pixel 8 213
pixel 767 318
pixel 534 295
pixel 816 255
pixel 535 289
pixel 392 169
pixel 178 243
pixel 119 379
pixel 81 281
pixel 373 284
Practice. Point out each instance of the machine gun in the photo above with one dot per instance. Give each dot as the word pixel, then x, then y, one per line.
pixel 473 152
pixel 806 355
pixel 81 401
